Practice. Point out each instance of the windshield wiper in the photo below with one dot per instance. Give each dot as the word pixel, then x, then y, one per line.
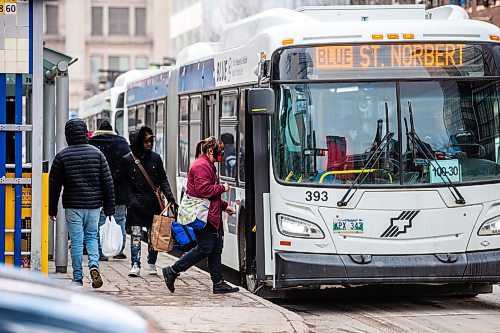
pixel 422 148
pixel 375 156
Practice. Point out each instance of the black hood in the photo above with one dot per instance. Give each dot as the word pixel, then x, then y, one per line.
pixel 137 146
pixel 76 132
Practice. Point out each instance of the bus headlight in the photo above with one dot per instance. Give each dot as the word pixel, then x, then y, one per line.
pixel 490 227
pixel 294 227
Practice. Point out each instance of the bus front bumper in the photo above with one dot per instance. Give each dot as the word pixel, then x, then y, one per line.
pixel 311 269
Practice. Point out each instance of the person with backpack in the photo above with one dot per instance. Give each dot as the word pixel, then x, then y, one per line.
pixel 143 173
pixel 203 183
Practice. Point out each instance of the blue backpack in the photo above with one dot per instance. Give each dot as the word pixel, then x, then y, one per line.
pixel 184 236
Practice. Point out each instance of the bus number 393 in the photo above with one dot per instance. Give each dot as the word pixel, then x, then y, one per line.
pixel 316 196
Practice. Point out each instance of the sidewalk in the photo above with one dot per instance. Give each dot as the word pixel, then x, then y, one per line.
pixel 193 307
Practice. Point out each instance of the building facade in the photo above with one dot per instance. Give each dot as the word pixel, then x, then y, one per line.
pixel 107 37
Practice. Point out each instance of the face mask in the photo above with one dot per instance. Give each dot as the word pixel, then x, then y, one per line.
pixel 218 155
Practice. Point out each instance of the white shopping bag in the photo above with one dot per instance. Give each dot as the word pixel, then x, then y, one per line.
pixel 111 238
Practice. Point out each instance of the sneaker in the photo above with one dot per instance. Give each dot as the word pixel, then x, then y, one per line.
pixel 135 271
pixel 95 275
pixel 224 288
pixel 120 256
pixel 102 257
pixel 152 269
pixel 77 284
pixel 169 276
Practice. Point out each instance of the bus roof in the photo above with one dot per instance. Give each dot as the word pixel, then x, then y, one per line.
pixel 268 30
pixel 150 87
pixel 235 59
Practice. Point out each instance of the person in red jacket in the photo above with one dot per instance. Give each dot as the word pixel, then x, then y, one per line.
pixel 203 183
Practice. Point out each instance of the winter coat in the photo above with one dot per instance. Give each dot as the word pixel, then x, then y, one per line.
pixel 83 172
pixel 114 147
pixel 203 183
pixel 143 203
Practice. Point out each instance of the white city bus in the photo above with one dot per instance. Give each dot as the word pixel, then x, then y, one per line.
pixel 362 144
pixel 108 105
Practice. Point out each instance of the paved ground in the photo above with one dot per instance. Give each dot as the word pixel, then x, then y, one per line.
pixel 193 307
pixel 400 314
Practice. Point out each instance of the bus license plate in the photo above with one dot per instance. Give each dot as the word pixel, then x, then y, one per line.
pixel 348 226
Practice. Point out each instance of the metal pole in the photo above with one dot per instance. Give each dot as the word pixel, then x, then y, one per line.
pixel 49 136
pixel 62 111
pixel 36 30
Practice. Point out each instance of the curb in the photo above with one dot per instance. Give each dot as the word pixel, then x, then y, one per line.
pixel 297 323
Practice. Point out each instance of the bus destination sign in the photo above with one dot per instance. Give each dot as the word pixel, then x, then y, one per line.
pixel 389 56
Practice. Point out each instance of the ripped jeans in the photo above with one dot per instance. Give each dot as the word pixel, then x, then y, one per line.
pixel 135 247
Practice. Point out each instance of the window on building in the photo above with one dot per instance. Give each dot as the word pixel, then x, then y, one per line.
pixel 95 66
pixel 96 21
pixel 118 21
pixel 119 63
pixel 141 62
pixel 51 19
pixel 140 21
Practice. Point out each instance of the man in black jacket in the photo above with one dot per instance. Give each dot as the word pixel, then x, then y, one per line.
pixel 114 147
pixel 84 173
pixel 143 203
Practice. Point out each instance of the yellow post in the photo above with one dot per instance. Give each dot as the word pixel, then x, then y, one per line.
pixel 45 224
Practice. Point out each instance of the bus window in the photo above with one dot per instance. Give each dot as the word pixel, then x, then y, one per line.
pixel 228 166
pixel 159 139
pixel 183 135
pixel 327 133
pixel 150 116
pixel 194 126
pixel 119 123
pixel 229 106
pixel 141 116
pixel 132 116
pixel 210 115
pixel 456 123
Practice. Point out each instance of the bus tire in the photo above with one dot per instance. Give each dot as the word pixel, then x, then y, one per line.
pixel 248 280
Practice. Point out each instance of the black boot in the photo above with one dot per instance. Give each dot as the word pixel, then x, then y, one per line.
pixel 223 288
pixel 169 276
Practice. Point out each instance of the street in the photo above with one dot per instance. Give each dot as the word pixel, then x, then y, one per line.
pixel 402 314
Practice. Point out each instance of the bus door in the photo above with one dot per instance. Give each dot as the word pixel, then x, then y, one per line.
pixel 210 116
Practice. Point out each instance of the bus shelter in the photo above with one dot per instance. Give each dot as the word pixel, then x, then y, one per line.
pixel 24 67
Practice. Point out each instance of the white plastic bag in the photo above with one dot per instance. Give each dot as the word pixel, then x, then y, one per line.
pixel 111 238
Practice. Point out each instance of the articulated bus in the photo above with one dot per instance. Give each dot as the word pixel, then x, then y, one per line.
pixel 108 105
pixel 362 144
pixel 146 103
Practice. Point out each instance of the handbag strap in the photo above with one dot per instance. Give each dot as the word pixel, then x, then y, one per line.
pixel 138 162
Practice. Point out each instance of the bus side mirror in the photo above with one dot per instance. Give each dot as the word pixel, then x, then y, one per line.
pixel 261 101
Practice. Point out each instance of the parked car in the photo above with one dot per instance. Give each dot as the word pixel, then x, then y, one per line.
pixel 30 302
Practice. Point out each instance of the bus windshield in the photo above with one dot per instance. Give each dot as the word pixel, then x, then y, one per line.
pixel 327 133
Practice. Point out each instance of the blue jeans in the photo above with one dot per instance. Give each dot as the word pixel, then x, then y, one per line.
pixel 120 212
pixel 135 247
pixel 82 227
